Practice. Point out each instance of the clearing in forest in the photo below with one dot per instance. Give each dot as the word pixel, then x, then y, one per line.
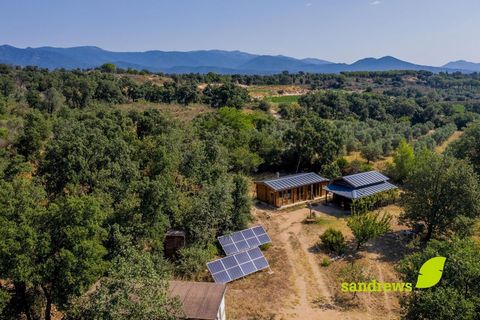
pixel 300 288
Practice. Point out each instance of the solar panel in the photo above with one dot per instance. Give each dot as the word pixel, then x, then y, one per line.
pixel 237 266
pixel 244 240
pixel 293 181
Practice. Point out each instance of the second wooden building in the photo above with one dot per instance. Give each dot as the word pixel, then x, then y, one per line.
pixel 288 190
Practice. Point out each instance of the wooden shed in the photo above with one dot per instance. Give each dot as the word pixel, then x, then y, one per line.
pixel 174 241
pixel 200 300
pixel 291 189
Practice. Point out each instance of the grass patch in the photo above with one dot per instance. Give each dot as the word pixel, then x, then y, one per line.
pixel 322 221
pixel 283 99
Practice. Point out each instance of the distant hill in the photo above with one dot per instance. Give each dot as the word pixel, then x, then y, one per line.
pixel 463 65
pixel 203 61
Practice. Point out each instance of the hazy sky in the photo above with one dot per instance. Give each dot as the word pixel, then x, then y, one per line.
pixel 421 31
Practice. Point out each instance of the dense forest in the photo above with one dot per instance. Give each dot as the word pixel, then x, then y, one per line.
pixel 89 187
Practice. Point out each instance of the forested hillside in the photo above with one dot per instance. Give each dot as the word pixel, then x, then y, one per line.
pixel 90 183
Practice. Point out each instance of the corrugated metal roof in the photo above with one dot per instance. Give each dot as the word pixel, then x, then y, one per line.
pixel 200 300
pixel 365 178
pixel 293 181
pixel 357 193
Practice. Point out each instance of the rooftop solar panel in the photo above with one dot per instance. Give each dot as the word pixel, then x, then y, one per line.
pixel 237 266
pixel 244 240
pixel 360 192
pixel 365 178
pixel 293 181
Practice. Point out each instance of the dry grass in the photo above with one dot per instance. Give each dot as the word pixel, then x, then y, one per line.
pixel 378 165
pixel 261 92
pixel 261 295
pixel 441 148
pixel 140 79
pixel 176 111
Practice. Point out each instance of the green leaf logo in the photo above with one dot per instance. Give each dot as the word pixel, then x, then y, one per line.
pixel 430 272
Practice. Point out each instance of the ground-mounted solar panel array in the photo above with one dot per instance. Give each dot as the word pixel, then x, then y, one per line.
pixel 244 240
pixel 237 265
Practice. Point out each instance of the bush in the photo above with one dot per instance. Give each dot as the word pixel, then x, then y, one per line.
pixel 326 262
pixel 265 246
pixel 333 240
pixel 264 106
pixel 192 261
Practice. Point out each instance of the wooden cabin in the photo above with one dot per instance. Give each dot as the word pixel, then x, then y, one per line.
pixel 200 300
pixel 288 190
pixel 347 189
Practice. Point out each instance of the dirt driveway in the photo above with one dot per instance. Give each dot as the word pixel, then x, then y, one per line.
pixel 300 288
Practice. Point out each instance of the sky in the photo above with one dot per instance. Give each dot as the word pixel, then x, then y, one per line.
pixel 430 32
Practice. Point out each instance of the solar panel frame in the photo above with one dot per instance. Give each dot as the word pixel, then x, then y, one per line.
pixel 244 240
pixel 223 271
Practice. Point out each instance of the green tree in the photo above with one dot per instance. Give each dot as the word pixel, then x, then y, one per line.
pixel 33 99
pixel 7 86
pixel 313 143
pixel 35 131
pixel 241 203
pixel 78 91
pixel 457 295
pixel 94 153
pixel 21 212
pixel 226 95
pixel 371 152
pixel 442 193
pixel 108 91
pixel 468 146
pixel 331 170
pixel 403 161
pixel 368 226
pixel 54 100
pixel 186 94
pixel 108 68
pixel 135 288
pixel 72 256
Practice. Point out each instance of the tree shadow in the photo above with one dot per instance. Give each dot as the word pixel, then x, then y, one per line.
pixel 330 209
pixel 391 247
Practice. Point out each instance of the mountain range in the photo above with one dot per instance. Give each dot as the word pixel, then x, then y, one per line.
pixel 203 61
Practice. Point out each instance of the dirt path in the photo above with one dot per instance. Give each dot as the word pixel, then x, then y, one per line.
pixel 313 294
pixel 299 287
pixel 386 297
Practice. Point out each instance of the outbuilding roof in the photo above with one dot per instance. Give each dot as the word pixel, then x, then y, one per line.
pixel 356 193
pixel 364 178
pixel 360 185
pixel 293 181
pixel 200 300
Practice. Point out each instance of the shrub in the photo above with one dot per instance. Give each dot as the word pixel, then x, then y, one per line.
pixel 326 262
pixel 264 106
pixel 192 261
pixel 265 246
pixel 333 240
